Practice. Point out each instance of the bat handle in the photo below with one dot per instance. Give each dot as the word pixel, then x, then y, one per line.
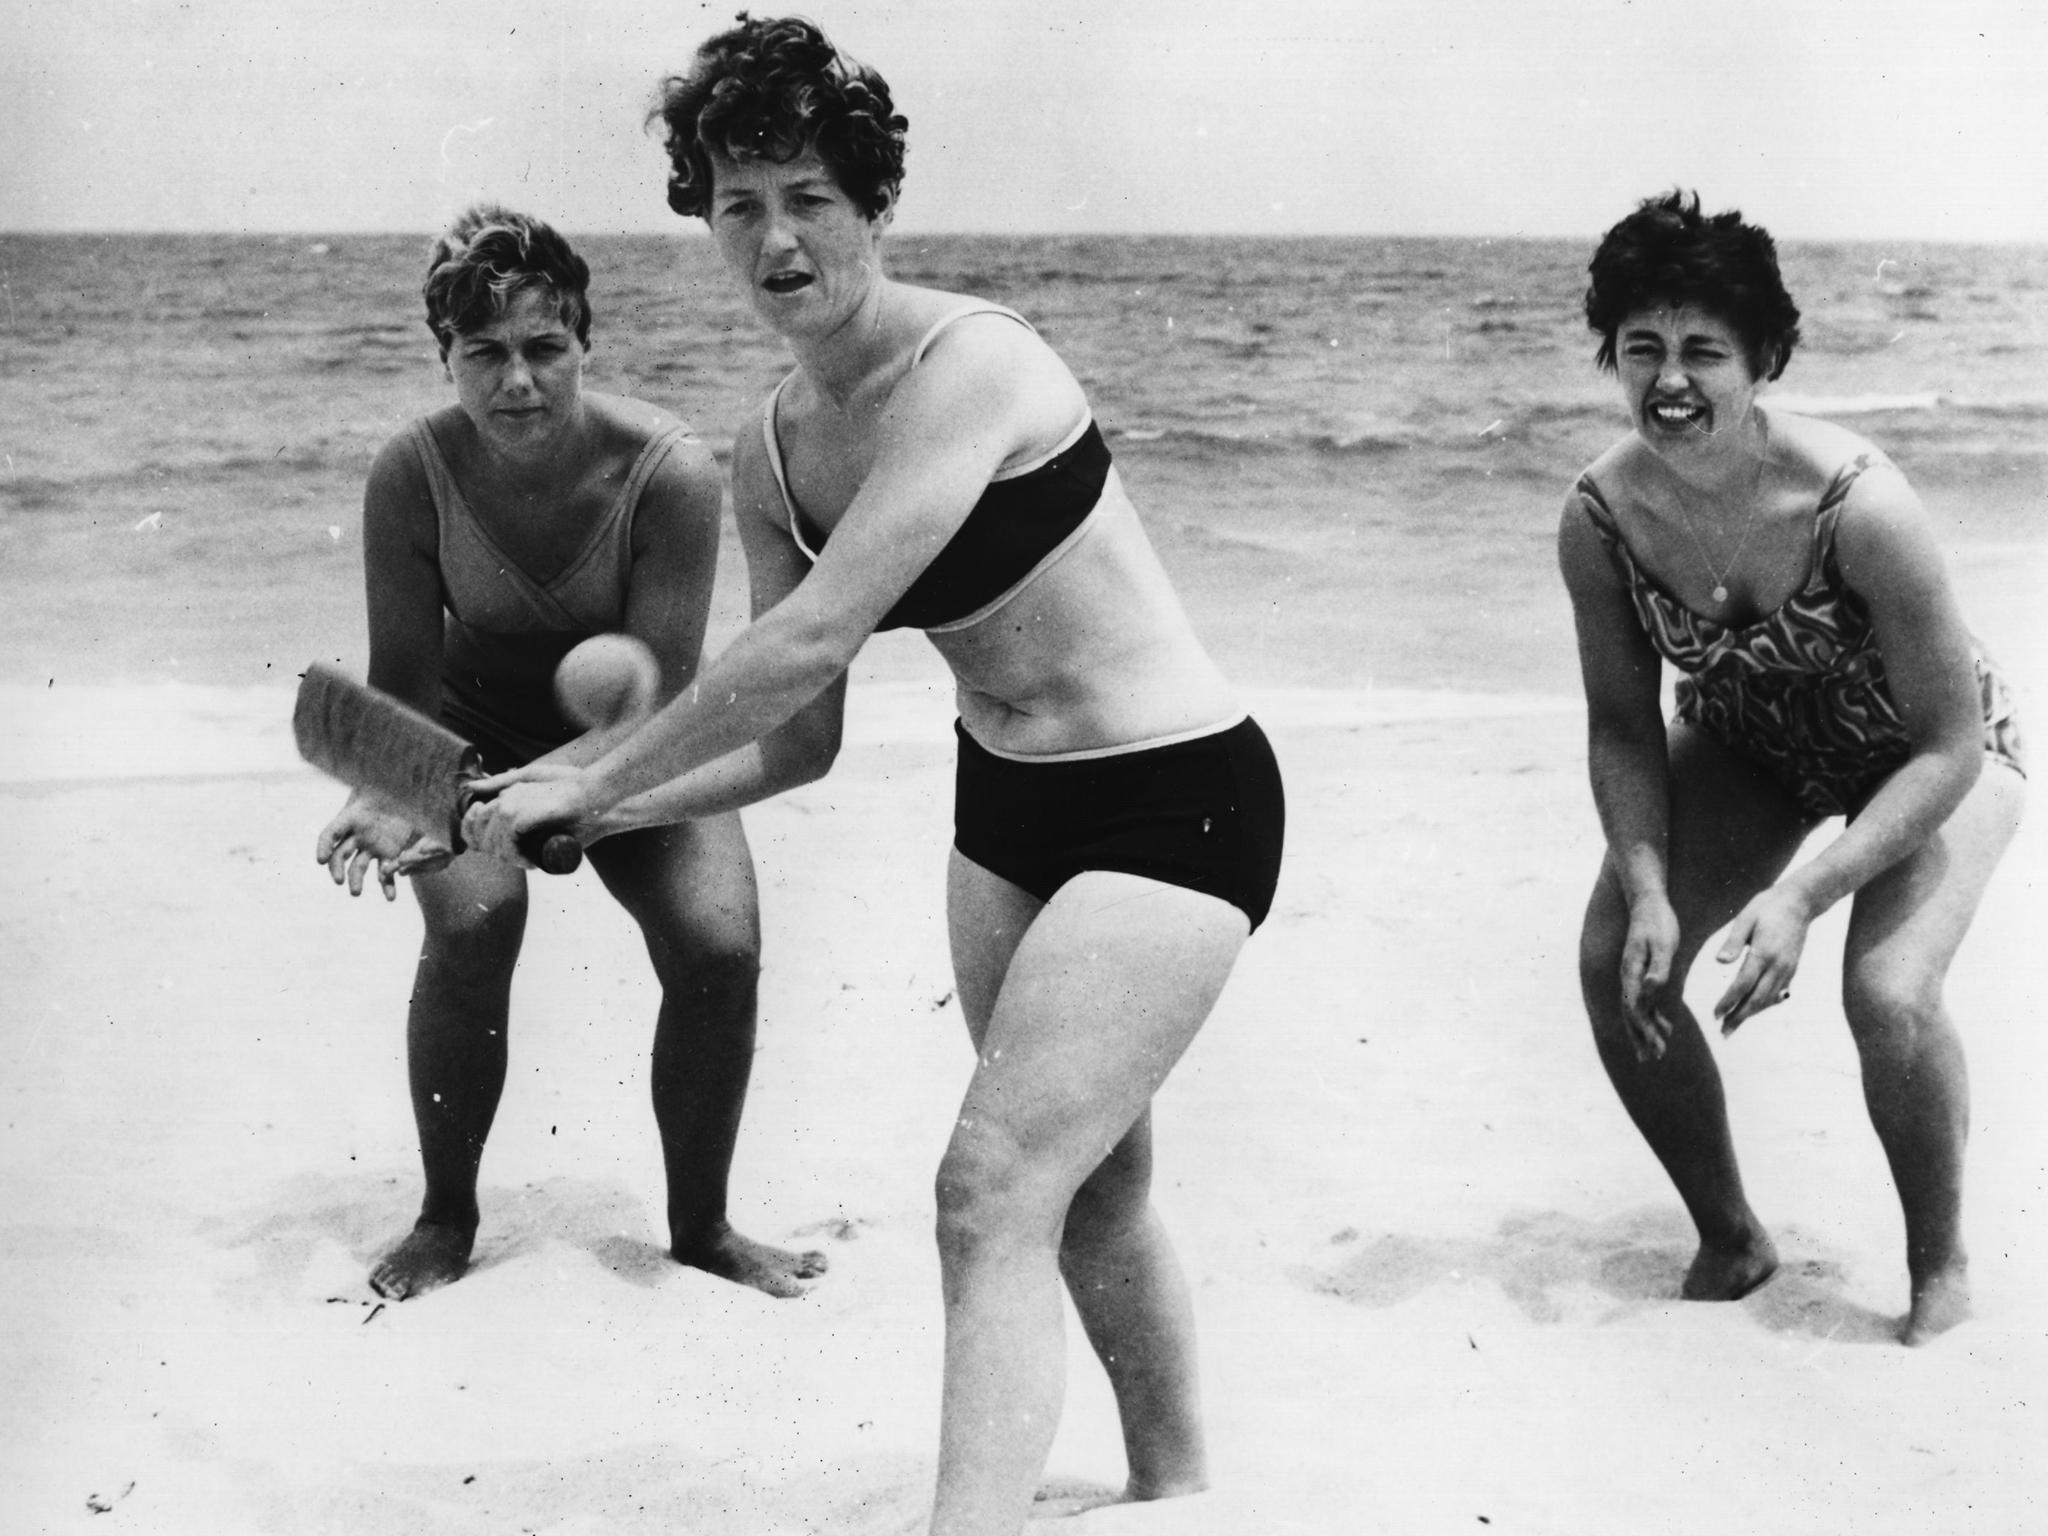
pixel 551 852
pixel 556 853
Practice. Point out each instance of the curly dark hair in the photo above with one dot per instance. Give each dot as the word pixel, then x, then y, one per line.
pixel 771 89
pixel 1668 252
pixel 489 255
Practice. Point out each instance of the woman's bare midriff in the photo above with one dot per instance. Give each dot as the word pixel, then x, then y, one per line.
pixel 1097 652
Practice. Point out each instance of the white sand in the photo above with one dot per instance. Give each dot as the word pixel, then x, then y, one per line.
pixel 1433 1264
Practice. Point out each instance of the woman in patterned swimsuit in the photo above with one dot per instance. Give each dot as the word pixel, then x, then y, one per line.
pixel 497 533
pixel 1786 570
pixel 931 463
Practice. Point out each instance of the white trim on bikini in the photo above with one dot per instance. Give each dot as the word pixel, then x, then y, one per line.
pixel 971 307
pixel 772 439
pixel 982 307
pixel 1051 558
pixel 1121 749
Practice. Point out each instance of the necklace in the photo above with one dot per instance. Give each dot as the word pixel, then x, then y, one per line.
pixel 1721 576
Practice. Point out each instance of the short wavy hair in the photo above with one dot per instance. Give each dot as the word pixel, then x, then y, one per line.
pixel 489 256
pixel 1668 252
pixel 772 89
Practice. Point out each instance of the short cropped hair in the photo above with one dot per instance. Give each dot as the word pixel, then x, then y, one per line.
pixel 772 89
pixel 488 256
pixel 1668 252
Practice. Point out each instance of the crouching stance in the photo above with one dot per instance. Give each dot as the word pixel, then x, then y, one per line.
pixel 498 533
pixel 1786 569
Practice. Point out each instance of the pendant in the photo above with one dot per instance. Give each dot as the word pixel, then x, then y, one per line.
pixel 1720 594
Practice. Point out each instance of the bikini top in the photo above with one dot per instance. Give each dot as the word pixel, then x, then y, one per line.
pixel 1820 630
pixel 486 590
pixel 1030 516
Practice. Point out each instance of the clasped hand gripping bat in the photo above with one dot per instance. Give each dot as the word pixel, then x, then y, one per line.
pixel 372 741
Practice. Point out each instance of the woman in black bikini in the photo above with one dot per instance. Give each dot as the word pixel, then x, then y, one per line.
pixel 930 462
pixel 1786 569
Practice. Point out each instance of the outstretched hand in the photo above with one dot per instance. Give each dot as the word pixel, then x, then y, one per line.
pixel 367 833
pixel 1646 958
pixel 542 796
pixel 1768 937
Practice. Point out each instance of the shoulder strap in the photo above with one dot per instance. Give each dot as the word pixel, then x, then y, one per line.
pixel 465 539
pixel 1605 523
pixel 1828 515
pixel 1038 460
pixel 440 478
pixel 979 307
pixel 1608 527
pixel 611 537
pixel 652 457
pixel 773 442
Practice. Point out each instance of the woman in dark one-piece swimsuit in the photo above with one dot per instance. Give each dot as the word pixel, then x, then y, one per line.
pixel 498 533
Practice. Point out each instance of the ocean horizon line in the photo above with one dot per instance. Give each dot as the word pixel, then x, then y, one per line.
pixel 693 231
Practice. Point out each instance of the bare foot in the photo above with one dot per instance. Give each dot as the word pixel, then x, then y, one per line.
pixel 1146 1493
pixel 1064 1497
pixel 1729 1274
pixel 1939 1302
pixel 1208 1513
pixel 730 1256
pixel 431 1255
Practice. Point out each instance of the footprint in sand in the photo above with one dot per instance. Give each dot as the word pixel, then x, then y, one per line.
pixel 1558 1268
pixel 1219 1512
pixel 841 1229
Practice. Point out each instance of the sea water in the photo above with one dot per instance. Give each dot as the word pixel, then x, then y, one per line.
pixel 1350 452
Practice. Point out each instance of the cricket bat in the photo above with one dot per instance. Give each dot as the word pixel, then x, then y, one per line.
pixel 369 740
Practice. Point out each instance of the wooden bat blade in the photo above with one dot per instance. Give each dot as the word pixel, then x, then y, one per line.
pixel 369 740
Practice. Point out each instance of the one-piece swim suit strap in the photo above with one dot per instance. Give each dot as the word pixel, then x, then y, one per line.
pixel 1605 523
pixel 480 583
pixel 652 456
pixel 1827 516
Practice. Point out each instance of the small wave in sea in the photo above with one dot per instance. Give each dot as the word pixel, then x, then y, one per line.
pixel 1959 408
pixel 1853 405
pixel 1271 440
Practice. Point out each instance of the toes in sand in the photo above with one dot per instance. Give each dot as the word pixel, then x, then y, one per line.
pixel 1209 1513
pixel 1061 1498
pixel 1064 1498
pixel 1730 1273
pixel 429 1256
pixel 735 1257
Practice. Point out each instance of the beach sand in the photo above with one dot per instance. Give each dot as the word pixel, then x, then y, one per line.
pixel 1433 1264
pixel 1434 1267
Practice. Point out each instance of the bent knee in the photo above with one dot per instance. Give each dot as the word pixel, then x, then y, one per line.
pixel 476 935
pixel 1602 933
pixel 1600 980
pixel 1112 1199
pixel 712 970
pixel 989 1190
pixel 979 1174
pixel 1599 973
pixel 1894 1005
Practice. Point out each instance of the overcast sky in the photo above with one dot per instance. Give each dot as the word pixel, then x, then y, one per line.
pixel 1821 118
